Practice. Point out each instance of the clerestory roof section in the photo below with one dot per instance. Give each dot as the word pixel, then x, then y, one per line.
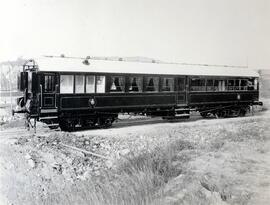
pixel 52 64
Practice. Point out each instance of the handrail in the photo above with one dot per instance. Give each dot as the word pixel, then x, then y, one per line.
pixel 41 99
pixel 55 95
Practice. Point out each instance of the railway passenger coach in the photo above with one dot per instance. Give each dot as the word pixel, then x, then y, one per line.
pixel 91 93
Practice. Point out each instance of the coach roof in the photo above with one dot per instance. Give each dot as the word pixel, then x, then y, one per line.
pixel 52 64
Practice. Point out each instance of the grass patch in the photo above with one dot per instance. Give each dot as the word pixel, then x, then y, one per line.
pixel 137 180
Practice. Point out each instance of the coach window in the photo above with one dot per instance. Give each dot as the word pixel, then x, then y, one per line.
pixel 197 84
pixel 49 83
pixel 243 84
pixel 256 84
pixel 66 83
pixel 100 84
pixel 209 85
pixel 222 84
pixel 181 84
pixel 237 84
pixel 90 84
pixel 135 84
pixel 215 85
pixel 79 83
pixel 117 84
pixel 167 84
pixel 151 84
pixel 230 84
pixel 252 84
pixel 29 81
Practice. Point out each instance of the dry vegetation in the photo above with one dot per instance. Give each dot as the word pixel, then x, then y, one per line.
pixel 223 161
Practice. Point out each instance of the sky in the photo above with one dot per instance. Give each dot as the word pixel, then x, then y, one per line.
pixel 231 32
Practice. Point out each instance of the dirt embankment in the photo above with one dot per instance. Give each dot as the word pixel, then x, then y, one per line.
pixel 216 161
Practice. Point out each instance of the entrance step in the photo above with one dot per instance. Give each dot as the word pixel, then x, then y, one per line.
pixel 48 118
pixel 53 125
pixel 182 115
pixel 182 109
pixel 54 110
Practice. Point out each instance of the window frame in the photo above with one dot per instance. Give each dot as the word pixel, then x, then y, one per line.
pixel 53 82
pixel 73 84
pixel 161 83
pixel 123 87
pixel 237 86
pixel 198 78
pixel 96 81
pixel 129 83
pixel 212 88
pixel 230 86
pixel 243 87
pixel 30 81
pixel 184 84
pixel 145 84
pixel 254 84
pixel 86 75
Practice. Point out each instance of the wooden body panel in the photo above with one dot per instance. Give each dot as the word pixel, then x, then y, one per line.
pixel 75 102
pixel 199 98
pixel 117 101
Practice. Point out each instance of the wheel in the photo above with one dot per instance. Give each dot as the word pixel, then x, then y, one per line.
pixel 105 122
pixel 63 125
pixel 243 112
pixel 204 114
pixel 221 113
pixel 233 112
pixel 237 113
pixel 108 122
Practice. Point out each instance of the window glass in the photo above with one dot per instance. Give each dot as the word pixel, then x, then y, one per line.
pixel 79 83
pixel 100 84
pixel 29 81
pixel 210 85
pixel 181 84
pixel 215 85
pixel 255 84
pixel 236 84
pixel 243 84
pixel 135 84
pixel 90 84
pixel 167 84
pixel 151 84
pixel 197 84
pixel 117 84
pixel 66 83
pixel 230 84
pixel 252 84
pixel 222 84
pixel 49 83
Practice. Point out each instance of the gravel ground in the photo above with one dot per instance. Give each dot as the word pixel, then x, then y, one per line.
pixel 42 162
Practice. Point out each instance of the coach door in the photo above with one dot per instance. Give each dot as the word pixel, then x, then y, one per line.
pixel 181 98
pixel 49 90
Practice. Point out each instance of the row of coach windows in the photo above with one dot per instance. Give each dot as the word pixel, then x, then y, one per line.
pixel 222 85
pixel 83 84
pixel 96 84
pixel 135 84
